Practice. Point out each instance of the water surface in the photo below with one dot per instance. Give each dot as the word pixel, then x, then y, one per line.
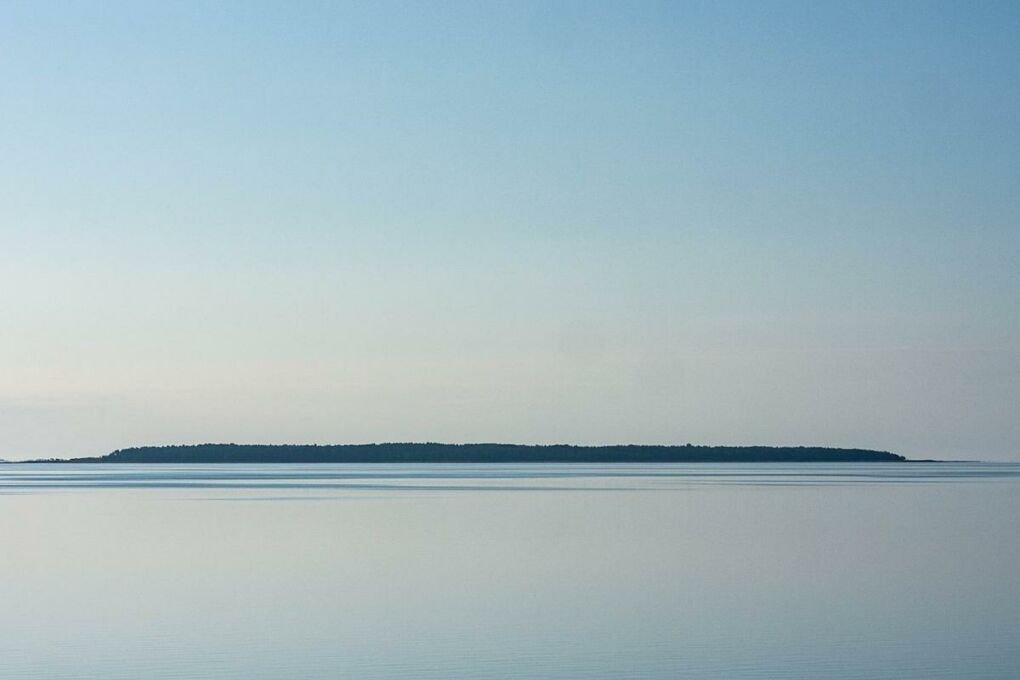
pixel 890 570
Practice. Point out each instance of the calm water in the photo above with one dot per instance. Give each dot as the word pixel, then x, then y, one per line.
pixel 553 571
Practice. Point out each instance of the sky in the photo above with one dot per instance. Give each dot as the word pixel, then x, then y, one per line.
pixel 554 222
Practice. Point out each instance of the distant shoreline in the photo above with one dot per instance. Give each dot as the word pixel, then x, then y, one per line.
pixel 482 453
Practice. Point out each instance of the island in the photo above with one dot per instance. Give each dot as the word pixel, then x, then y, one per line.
pixel 485 453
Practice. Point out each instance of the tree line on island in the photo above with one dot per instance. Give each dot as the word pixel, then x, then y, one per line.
pixel 485 453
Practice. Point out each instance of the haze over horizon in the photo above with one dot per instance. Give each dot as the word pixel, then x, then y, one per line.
pixel 583 223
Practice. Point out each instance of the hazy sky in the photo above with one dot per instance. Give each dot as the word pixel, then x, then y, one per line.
pixel 554 222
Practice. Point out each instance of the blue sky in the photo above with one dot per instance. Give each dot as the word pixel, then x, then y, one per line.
pixel 779 223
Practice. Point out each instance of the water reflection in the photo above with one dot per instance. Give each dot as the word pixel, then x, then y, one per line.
pixel 500 477
pixel 465 571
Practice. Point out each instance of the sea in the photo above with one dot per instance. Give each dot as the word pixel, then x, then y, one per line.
pixel 707 571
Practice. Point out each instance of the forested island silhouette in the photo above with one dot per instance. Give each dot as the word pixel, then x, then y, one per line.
pixel 485 453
